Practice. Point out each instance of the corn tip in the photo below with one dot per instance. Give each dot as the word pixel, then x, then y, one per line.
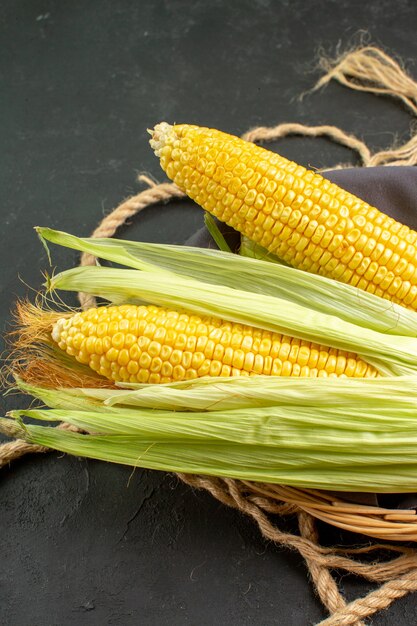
pixel 160 136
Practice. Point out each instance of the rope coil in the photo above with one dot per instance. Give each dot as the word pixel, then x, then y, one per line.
pixel 365 69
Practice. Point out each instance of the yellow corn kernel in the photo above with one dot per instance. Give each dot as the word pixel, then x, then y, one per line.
pixel 112 355
pixel 258 364
pixel 132 367
pixel 294 213
pixel 210 347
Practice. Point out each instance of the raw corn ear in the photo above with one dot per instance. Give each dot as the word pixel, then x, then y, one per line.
pixel 173 311
pixel 328 433
pixel 150 344
pixel 296 214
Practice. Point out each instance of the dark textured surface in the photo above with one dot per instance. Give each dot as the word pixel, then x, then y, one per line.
pixel 80 542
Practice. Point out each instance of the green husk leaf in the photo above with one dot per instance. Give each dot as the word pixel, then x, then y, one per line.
pixel 216 394
pixel 66 398
pixel 305 428
pixel 360 436
pixel 112 250
pixel 382 472
pixel 256 276
pixel 219 394
pixel 215 233
pixel 253 250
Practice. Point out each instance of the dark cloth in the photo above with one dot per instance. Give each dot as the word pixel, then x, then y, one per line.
pixel 392 190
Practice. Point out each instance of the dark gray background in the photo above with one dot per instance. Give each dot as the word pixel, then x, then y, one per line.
pixel 88 543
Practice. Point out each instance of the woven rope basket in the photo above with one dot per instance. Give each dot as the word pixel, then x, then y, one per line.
pixel 374 521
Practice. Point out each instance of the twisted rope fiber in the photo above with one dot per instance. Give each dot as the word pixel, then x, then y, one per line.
pixel 263 133
pixel 324 582
pixel 375 601
pixel 155 193
pixel 370 69
pixel 366 69
pixel 16 449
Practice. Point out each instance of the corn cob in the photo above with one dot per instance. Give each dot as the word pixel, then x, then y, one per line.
pixel 150 344
pixel 294 213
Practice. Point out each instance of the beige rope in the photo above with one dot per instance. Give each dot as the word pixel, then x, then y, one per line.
pixel 324 582
pixel 365 69
pixel 264 133
pixel 402 155
pixel 15 449
pixel 370 69
pixel 405 154
pixel 130 207
pixel 375 601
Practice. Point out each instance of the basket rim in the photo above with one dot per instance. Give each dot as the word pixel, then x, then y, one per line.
pixel 374 521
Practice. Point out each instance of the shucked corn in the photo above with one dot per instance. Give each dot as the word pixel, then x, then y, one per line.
pixel 150 344
pixel 298 215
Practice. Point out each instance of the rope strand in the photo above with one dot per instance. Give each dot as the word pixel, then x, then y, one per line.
pixel 335 134
pixel 155 194
pixel 370 69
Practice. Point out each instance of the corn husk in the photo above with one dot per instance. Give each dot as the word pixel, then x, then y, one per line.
pixel 256 276
pixel 314 433
pixel 339 434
